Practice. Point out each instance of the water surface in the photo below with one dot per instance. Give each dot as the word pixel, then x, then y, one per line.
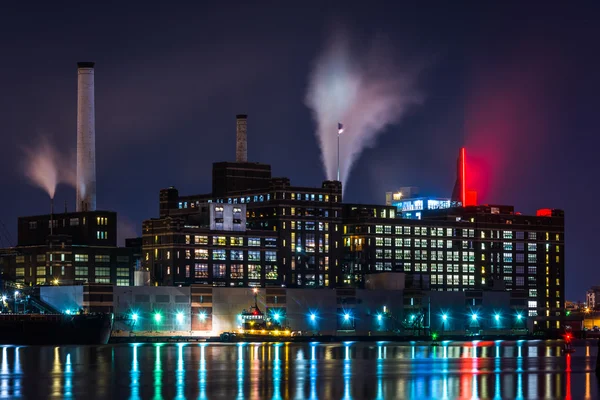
pixel 377 370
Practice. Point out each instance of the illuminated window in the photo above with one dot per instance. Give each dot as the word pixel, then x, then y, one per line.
pixel 271 272
pixel 80 258
pixel 201 270
pixel 219 270
pixel 270 256
pixel 254 271
pixel 378 241
pixel 102 271
pixel 236 255
pixel 237 271
pixel 254 242
pixel 201 254
pixel 219 255
pixel 203 240
pixel 102 258
pixel 219 240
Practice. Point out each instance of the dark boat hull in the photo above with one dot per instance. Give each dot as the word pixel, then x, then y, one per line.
pixel 44 329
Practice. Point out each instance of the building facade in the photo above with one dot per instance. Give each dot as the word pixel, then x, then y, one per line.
pixel 68 248
pixel 463 248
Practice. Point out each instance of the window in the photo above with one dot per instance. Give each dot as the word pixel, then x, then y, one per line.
pixel 202 254
pixel 101 235
pixel 388 241
pixel 41 258
pixel 187 271
pixel 532 292
pixel 219 270
pixel 270 242
pixel 253 271
pixel 520 281
pixel 187 239
pixel 398 242
pixel 271 256
pixel 532 258
pixel 508 246
pixel 188 255
pixel 40 271
pixel 122 282
pixel 532 304
pixel 407 242
pixel 237 255
pixel 74 222
pixel 520 269
pixel 531 235
pixel 20 259
pixel 102 271
pixel 123 272
pixel 508 269
pixel 379 241
pixel 379 229
pixel 532 247
pixel 237 271
pixel 102 258
pixel 81 271
pixel 398 230
pixel 507 235
pixel 236 241
pixel 219 240
pixel 388 253
pixel 532 270
pixel 271 272
pixel 507 258
pixel 201 270
pixel 388 230
pixel 33 225
pixel 520 257
pixel 219 255
pixel 203 240
pixel 255 242
pixel 253 255
pixel 519 235
pixel 102 280
pixel 378 253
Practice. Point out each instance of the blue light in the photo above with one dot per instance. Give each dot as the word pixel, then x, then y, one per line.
pixel 519 317
pixel 379 317
pixel 346 317
pixel 497 317
pixel 276 317
pixel 68 312
pixel 134 316
pixel 474 317
pixel 180 317
pixel 202 316
pixel 444 317
pixel 313 317
pixel 412 317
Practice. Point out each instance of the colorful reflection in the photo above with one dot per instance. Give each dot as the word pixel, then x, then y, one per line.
pixel 376 370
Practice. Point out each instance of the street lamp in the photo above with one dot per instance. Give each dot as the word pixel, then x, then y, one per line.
pixel 313 317
pixel 474 317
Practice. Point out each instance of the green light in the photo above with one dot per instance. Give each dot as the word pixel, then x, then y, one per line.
pixel 157 317
pixel 568 313
pixel 434 336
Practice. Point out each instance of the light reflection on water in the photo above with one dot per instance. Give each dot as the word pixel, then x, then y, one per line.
pixel 348 370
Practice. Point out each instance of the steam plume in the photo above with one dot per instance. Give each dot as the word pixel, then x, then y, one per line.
pixel 365 90
pixel 46 167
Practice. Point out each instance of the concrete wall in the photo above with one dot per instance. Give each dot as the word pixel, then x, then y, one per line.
pixel 369 311
pixel 146 302
pixel 63 298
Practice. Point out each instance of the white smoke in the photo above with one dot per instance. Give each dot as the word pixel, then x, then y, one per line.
pixel 46 167
pixel 364 90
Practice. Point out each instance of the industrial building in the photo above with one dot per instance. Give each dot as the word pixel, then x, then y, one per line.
pixel 73 247
pixel 382 307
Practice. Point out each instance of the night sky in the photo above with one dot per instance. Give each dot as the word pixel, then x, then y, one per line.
pixel 517 84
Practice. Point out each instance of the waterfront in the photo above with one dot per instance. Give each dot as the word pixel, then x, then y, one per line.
pixel 376 370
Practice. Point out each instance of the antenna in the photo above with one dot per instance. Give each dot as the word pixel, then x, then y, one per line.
pixel 51 215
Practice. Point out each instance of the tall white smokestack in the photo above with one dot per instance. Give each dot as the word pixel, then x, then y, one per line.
pixel 86 138
pixel 241 143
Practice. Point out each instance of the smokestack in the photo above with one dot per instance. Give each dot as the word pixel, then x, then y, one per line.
pixel 241 142
pixel 86 138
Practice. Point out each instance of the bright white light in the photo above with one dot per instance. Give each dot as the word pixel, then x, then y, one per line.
pixel 16 293
pixel 4 297
pixel 202 316
pixel 519 316
pixel 68 312
pixel 379 317
pixel 444 317
pixel 346 317
pixel 313 317
pixel 474 317
pixel 180 317
pixel 497 317
pixel 412 317
pixel 134 316
pixel 276 317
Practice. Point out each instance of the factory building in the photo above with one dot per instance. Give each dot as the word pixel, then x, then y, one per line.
pixel 73 247
pixel 68 248
pixel 462 249
pixel 210 246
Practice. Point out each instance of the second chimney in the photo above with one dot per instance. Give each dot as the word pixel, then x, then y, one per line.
pixel 241 142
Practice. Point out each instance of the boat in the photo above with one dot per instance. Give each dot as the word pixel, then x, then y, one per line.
pixel 55 329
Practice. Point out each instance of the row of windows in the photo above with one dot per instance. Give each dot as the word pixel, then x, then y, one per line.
pixel 77 258
pixel 451 232
pixel 236 271
pixel 79 271
pixel 222 241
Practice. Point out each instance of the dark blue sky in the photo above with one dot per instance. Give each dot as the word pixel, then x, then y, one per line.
pixel 517 83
